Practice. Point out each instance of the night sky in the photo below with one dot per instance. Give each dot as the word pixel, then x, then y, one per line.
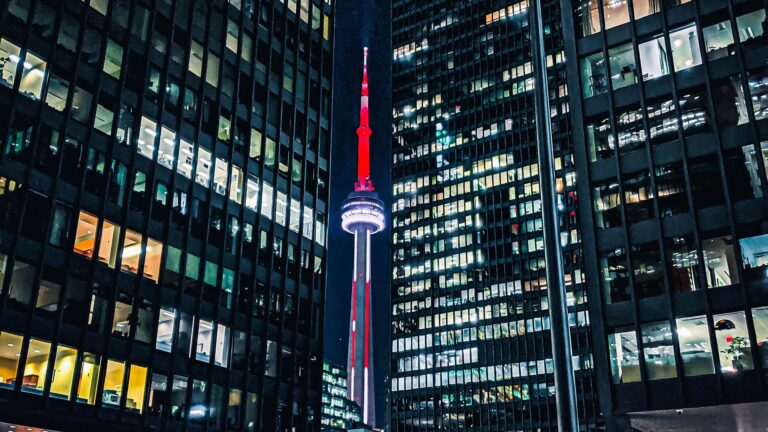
pixel 359 23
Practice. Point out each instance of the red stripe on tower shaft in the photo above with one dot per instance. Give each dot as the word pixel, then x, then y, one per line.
pixel 354 325
pixel 367 319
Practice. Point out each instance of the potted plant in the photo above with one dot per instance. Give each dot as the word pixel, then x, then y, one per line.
pixel 735 351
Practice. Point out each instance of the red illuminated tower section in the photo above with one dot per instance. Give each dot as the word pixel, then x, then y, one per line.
pixel 362 216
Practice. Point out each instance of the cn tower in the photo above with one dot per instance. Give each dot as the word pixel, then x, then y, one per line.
pixel 362 215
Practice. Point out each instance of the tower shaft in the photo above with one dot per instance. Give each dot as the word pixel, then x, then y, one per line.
pixel 360 361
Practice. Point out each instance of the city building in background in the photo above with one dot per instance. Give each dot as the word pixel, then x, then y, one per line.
pixel 338 412
pixel 362 215
pixel 471 347
pixel 671 146
pixel 163 201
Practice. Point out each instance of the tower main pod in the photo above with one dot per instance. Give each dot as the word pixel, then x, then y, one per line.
pixel 362 216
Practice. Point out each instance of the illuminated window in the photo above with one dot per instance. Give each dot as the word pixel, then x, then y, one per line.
pixel 203 170
pixel 295 214
pixel 63 371
pixel 733 343
pixel 658 351
pixel 252 193
pixel 653 58
pixel 100 6
pixel 121 320
pixel 594 75
pixel 85 236
pixel 186 157
pixel 146 141
pixel 137 383
pixel 220 177
pixel 196 59
pixel 165 324
pixel 685 47
pixel 720 266
pixel 32 76
pixel 760 318
pixel 36 367
pixel 152 258
pixel 718 39
pixel 645 7
pixel 212 70
pixel 695 348
pixel 89 376
pixel 255 147
pixel 269 152
pixel 10 55
pixel 281 207
pixel 266 200
pixel 625 358
pixel 622 65
pixel 588 17
pixel 232 36
pixel 9 358
pixel 222 345
pixel 236 185
pixel 167 146
pixel 103 120
pixel 113 383
pixel 131 251
pixel 204 334
pixel 750 28
pixel 113 59
pixel 615 12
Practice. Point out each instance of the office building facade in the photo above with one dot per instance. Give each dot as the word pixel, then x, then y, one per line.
pixel 338 412
pixel 471 348
pixel 163 192
pixel 671 150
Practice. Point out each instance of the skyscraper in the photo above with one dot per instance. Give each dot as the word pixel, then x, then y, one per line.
pixel 163 192
pixel 362 215
pixel 470 325
pixel 660 112
pixel 671 148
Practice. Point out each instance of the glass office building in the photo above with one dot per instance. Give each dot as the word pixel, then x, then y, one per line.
pixel 471 347
pixel 338 412
pixel 671 150
pixel 163 193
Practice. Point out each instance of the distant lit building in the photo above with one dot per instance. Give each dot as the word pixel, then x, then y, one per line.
pixel 338 412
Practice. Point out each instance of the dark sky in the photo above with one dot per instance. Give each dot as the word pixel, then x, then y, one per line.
pixel 359 23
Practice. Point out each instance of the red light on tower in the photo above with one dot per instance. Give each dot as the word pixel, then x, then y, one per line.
pixel 364 182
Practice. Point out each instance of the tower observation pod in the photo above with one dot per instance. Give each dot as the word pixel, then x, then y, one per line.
pixel 362 215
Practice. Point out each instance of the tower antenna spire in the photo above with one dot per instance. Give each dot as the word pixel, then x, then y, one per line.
pixel 364 182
